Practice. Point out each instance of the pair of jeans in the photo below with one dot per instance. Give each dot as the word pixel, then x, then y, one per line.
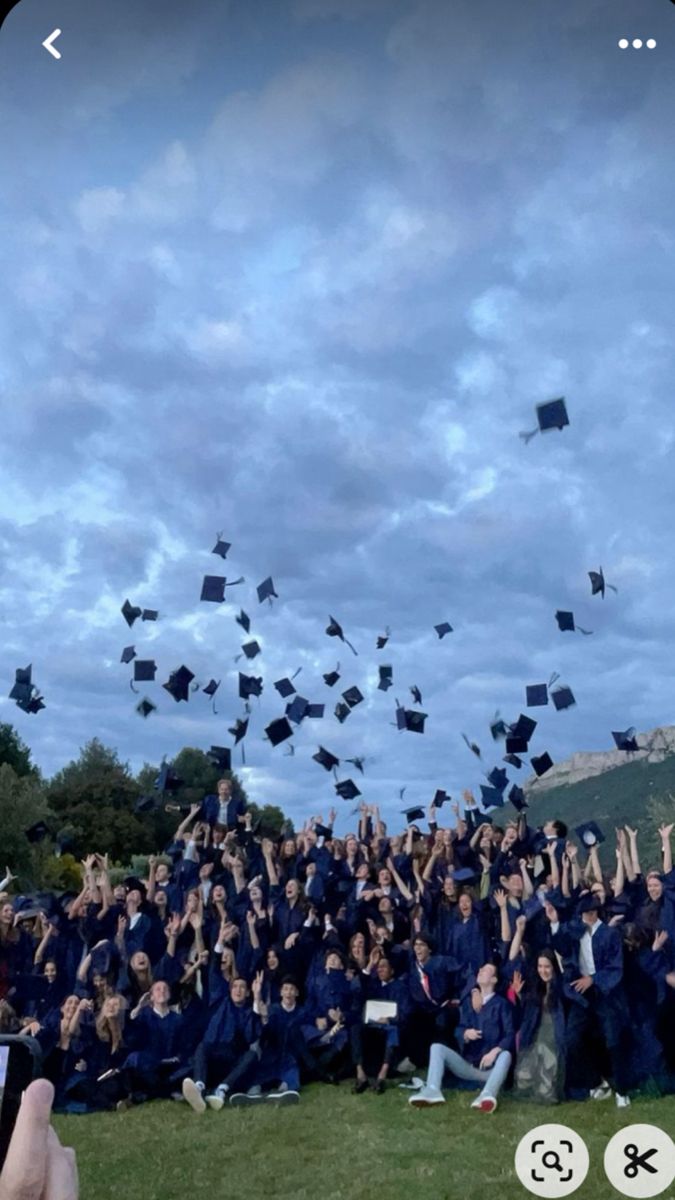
pixel 443 1059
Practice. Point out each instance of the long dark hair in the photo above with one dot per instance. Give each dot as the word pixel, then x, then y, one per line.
pixel 545 995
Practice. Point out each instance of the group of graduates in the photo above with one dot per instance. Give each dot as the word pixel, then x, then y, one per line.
pixel 243 967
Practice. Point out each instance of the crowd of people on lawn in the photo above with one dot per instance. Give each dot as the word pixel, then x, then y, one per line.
pixel 243 967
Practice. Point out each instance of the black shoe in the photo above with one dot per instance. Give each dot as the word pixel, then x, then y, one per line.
pixel 379 1087
pixel 360 1087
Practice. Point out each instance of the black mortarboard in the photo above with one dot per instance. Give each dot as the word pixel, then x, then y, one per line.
pixel 284 687
pixel 31 706
pixel 498 778
pixel 541 763
pixel 250 649
pixel 244 620
pixel 326 759
pixel 22 689
pixel 415 813
pixel 278 731
pixel 414 721
pixel 552 415
pixel 562 697
pixel 386 678
pixel 179 682
pixel 599 583
pixel 324 832
pixel 491 797
pixel 211 687
pixel 513 760
pixel 523 728
pixel 213 588
pixel 440 798
pixel 331 678
pixel 250 685
pixel 383 639
pixel 221 757
pixel 239 729
pixel 565 621
pixel 130 612
pixel 146 804
pixel 517 798
pixel 145 707
pixel 473 747
pixel 626 740
pixel 37 833
pixel 347 789
pixel 315 711
pixel 498 728
pixel 515 745
pixel 266 590
pixel 589 833
pixel 167 780
pixel 342 711
pixel 536 695
pixel 334 629
pixel 128 653
pixel 296 709
pixel 442 629
pixel 149 614
pixel 144 670
pixel 416 694
pixel 221 547
pixel 352 697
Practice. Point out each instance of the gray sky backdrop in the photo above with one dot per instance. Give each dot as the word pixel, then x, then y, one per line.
pixel 300 272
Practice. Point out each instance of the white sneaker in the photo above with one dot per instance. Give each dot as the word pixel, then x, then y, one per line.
pixel 426 1097
pixel 414 1085
pixel 622 1101
pixel 216 1100
pixel 285 1097
pixel 486 1104
pixel 602 1092
pixel 193 1095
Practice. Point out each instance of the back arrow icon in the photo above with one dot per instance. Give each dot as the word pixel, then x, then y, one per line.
pixel 48 43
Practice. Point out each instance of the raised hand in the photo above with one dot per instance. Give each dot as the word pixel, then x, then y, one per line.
pixel 665 832
pixel 500 897
pixel 517 982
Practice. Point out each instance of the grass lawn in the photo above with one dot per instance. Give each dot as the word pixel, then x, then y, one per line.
pixel 334 1146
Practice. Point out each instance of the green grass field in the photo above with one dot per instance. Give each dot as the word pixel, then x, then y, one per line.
pixel 334 1145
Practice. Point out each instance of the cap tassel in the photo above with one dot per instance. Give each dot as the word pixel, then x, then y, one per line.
pixel 351 647
pixel 586 632
pixel 290 750
pixel 131 685
pixel 527 437
pixel 296 673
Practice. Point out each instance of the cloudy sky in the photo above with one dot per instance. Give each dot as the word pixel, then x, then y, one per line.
pixel 300 271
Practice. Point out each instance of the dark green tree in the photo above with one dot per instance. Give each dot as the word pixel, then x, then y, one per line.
pixel 22 804
pixel 15 753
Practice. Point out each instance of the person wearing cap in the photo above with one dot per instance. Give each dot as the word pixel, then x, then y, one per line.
pixel 594 954
pixel 486 1039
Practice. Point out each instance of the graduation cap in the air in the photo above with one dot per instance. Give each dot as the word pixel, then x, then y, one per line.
pixel 145 670
pixel 167 780
pixel 266 590
pixel 238 731
pixel 285 686
pixel 513 760
pixel 296 709
pixel 386 678
pixel 589 833
pixel 37 833
pixel 352 697
pixel 347 789
pixel 415 813
pixel 278 731
pixel 211 687
pixel 342 711
pixel 145 707
pixel 213 587
pixel 244 620
pixel 498 728
pixel 440 797
pixel 326 759
pixel 442 629
pixel 128 654
pixel 410 719
pixel 626 740
pixel 473 747
pixel 562 698
pixel 523 728
pixel 130 612
pixel 541 763
pixel 517 798
pixel 357 762
pixel 331 677
pixel 515 745
pixel 23 687
pixel 250 650
pixel 315 711
pixel 34 705
pixel 149 614
pixel 551 415
pixel 178 684
pixel 416 694
pixel 566 623
pixel 498 778
pixel 250 685
pixel 221 547
pixel 221 757
pixel 599 583
pixel 334 629
pixel 491 797
pixel 383 639
pixel 536 694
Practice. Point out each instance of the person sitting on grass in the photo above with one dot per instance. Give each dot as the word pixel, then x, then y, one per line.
pixel 229 1052
pixel 485 1034
pixel 282 1047
pixel 149 1071
pixel 377 982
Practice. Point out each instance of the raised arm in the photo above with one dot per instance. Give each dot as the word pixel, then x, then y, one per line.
pixel 666 848
pixel 517 941
pixel 268 855
pixel 631 856
pixel 528 886
pixel 505 925
pixel 402 887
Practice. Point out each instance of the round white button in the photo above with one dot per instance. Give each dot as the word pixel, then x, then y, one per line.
pixel 640 1161
pixel 551 1161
